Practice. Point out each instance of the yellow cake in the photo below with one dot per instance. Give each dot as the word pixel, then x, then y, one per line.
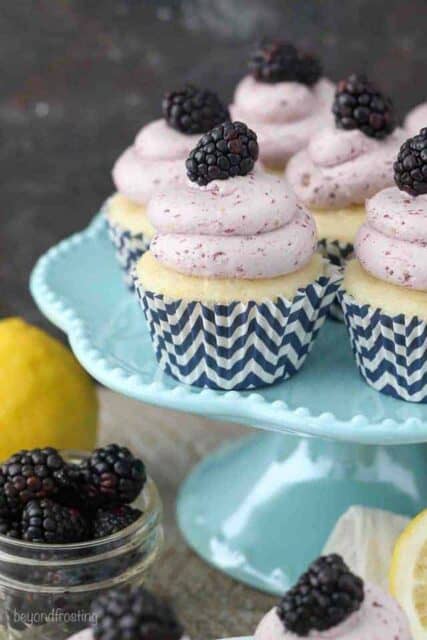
pixel 153 276
pixel 390 298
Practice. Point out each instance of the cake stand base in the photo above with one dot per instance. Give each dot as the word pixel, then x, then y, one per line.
pixel 262 508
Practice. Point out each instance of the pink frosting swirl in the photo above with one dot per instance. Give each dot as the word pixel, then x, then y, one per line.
pixel 416 119
pixel 342 168
pixel 283 115
pixel 155 160
pixel 379 618
pixel 244 227
pixel 392 244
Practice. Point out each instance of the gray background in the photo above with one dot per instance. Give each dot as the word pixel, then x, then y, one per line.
pixel 79 77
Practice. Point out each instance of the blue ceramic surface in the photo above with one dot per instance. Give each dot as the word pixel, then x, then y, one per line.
pixel 78 286
pixel 262 509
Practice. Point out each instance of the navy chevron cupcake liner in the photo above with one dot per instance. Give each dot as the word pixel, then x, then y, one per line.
pixel 239 345
pixel 390 352
pixel 129 248
pixel 337 253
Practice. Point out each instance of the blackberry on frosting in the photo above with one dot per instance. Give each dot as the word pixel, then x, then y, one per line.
pixel 225 152
pixel 278 61
pixel 410 168
pixel 192 110
pixel 360 105
pixel 326 595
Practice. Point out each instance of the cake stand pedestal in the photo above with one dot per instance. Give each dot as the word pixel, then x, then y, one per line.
pixel 262 508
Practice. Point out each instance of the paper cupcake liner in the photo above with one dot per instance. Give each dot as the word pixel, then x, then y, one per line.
pixel 391 352
pixel 238 345
pixel 337 253
pixel 129 248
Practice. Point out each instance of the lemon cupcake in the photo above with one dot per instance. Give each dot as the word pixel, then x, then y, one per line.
pixel 347 163
pixel 151 163
pixel 384 294
pixel 284 99
pixel 233 290
pixel 416 119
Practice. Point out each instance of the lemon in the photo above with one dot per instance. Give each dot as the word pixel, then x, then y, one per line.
pixel 408 574
pixel 46 398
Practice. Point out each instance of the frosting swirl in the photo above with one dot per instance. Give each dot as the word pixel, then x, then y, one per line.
pixel 153 161
pixel 247 227
pixel 342 168
pixel 284 115
pixel 416 119
pixel 392 244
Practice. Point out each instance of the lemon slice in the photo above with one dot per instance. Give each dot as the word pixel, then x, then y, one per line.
pixel 365 538
pixel 408 574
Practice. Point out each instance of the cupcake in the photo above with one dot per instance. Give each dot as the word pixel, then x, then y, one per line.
pixel 330 603
pixel 416 119
pixel 345 164
pixel 233 290
pixel 284 99
pixel 131 613
pixel 154 161
pixel 384 294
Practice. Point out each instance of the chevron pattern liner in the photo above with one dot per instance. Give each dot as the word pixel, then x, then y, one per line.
pixel 129 248
pixel 391 353
pixel 239 345
pixel 337 253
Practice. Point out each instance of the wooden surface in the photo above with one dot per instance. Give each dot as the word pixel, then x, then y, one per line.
pixel 209 604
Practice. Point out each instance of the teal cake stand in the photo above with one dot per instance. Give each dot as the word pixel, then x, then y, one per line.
pixel 259 509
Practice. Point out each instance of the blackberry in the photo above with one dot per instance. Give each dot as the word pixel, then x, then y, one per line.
pixel 410 168
pixel 69 479
pixel 10 526
pixel 26 475
pixel 109 521
pixel 111 476
pixel 227 151
pixel 134 613
pixel 192 110
pixel 359 105
pixel 282 62
pixel 326 595
pixel 45 521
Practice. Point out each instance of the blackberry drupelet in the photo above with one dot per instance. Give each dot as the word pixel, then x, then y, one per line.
pixel 192 110
pixel 281 62
pixel 410 168
pixel 326 595
pixel 227 151
pixel 10 526
pixel 45 521
pixel 109 521
pixel 70 480
pixel 26 475
pixel 134 613
pixel 359 105
pixel 111 476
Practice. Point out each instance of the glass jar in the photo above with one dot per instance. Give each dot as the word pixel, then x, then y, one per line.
pixel 46 590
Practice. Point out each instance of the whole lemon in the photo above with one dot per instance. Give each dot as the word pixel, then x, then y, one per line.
pixel 46 398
